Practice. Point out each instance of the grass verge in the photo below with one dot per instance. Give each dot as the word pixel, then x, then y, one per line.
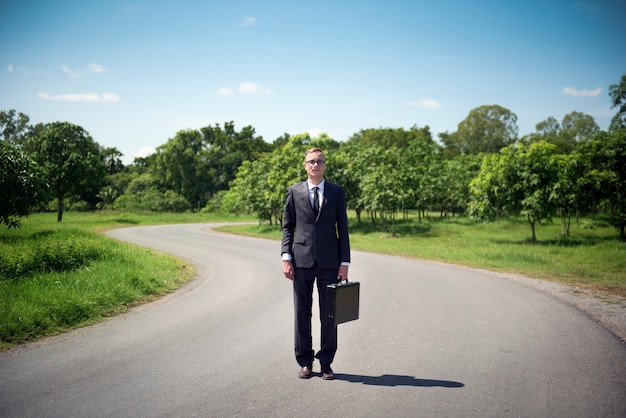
pixel 592 257
pixel 58 276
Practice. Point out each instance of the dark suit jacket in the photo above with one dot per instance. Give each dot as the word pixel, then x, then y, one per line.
pixel 308 239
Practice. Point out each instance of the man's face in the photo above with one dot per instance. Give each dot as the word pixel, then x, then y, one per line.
pixel 315 165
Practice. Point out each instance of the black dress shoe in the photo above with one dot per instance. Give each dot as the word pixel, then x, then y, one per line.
pixel 306 372
pixel 327 373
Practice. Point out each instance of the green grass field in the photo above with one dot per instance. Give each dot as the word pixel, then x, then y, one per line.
pixel 592 256
pixel 55 277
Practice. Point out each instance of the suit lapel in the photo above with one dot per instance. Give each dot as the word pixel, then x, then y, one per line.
pixel 304 196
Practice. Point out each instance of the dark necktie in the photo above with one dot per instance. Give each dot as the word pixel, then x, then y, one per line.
pixel 316 201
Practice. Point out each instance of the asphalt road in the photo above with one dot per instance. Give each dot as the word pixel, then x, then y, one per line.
pixel 433 340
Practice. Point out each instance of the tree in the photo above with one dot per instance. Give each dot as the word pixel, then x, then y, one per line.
pixel 489 188
pixel 185 168
pixel 575 128
pixel 532 176
pixel 71 159
pixel 260 186
pixel 486 129
pixel 22 182
pixel 227 149
pixel 14 127
pixel 112 160
pixel 618 99
pixel 453 185
pixel 564 193
pixel 520 179
pixel 607 164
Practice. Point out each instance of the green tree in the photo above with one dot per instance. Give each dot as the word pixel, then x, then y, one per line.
pixel 577 127
pixel 489 188
pixel 227 149
pixel 112 159
pixel 618 99
pixel 532 176
pixel 574 129
pixel 453 193
pixel 22 182
pixel 71 159
pixel 14 127
pixel 486 129
pixel 607 158
pixel 565 194
pixel 518 180
pixel 183 164
pixel 260 186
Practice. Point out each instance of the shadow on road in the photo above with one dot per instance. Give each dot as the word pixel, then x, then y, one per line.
pixel 396 380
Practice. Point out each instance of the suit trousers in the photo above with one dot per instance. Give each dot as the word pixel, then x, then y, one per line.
pixel 304 279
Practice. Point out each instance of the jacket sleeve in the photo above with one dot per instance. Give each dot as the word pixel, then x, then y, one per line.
pixel 289 223
pixel 342 228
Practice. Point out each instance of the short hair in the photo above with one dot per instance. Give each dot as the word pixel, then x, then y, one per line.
pixel 311 150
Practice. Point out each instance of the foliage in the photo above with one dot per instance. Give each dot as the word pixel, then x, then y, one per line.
pixel 576 128
pixel 607 157
pixel 151 199
pixel 260 186
pixel 519 180
pixel 489 189
pixel 386 172
pixel 22 182
pixel 14 126
pixel 197 164
pixel 184 167
pixel 71 159
pixel 618 99
pixel 486 129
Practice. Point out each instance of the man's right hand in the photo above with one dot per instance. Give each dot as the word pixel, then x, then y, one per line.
pixel 288 269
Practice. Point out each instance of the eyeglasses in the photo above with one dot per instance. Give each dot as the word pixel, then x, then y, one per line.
pixel 312 163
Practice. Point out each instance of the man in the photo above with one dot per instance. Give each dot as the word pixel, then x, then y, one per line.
pixel 315 245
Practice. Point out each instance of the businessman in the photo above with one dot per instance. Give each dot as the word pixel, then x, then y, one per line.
pixel 315 245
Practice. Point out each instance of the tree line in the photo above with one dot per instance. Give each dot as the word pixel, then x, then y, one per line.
pixel 564 169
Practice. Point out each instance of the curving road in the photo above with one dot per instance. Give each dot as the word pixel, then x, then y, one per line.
pixel 432 340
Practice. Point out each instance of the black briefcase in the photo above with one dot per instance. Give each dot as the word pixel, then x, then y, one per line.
pixel 343 301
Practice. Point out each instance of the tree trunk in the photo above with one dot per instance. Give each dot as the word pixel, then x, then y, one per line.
pixel 60 208
pixel 532 229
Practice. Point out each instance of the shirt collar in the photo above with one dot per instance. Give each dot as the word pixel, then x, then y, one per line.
pixel 311 185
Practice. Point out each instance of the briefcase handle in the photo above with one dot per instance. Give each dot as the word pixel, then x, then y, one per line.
pixel 341 281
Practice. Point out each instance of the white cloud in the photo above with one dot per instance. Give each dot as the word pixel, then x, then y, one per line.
pixel 78 72
pixel 145 151
pixel 70 72
pixel 315 132
pixel 424 103
pixel 248 21
pixel 571 91
pixel 253 88
pixel 13 69
pixel 96 68
pixel 245 87
pixel 81 97
pixel 224 91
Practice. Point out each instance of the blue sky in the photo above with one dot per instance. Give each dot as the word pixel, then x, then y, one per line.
pixel 133 73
